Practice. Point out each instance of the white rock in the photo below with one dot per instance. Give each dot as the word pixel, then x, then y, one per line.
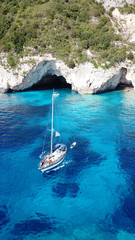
pixel 126 24
pixel 85 78
pixel 114 3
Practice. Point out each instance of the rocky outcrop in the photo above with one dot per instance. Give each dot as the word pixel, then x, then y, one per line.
pixel 115 3
pixel 85 79
pixel 44 68
pixel 126 23
pixel 100 80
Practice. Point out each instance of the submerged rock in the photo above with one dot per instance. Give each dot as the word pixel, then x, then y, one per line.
pixel 4 218
pixel 33 226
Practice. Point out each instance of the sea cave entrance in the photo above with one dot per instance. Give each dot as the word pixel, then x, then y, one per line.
pixel 51 81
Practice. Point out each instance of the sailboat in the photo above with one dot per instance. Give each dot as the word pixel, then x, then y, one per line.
pixel 56 155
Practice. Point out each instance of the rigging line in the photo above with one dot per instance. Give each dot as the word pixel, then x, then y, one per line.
pixel 57 122
pixel 46 130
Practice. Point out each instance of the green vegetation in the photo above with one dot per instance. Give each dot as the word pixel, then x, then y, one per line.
pixel 130 56
pixel 71 63
pixel 128 8
pixel 65 28
pixel 11 60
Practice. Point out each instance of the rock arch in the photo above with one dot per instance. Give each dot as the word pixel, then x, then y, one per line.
pixel 51 81
pixel 50 73
pixel 45 74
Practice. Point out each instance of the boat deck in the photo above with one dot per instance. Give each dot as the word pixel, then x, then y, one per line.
pixel 53 158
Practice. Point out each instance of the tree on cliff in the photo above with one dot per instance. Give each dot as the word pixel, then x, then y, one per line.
pixel 65 28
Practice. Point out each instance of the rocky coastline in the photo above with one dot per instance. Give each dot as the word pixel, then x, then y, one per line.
pixel 85 78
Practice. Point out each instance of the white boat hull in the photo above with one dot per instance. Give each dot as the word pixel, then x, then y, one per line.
pixel 57 157
pixel 52 166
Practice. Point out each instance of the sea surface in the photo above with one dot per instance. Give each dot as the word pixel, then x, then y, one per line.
pixel 91 195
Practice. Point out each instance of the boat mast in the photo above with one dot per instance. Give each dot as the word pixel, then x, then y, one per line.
pixel 52 126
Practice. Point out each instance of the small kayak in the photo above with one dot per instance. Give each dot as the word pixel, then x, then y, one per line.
pixel 73 145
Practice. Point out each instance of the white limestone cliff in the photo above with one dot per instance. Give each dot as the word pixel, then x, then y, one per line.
pixel 85 79
pixel 126 23
pixel 115 3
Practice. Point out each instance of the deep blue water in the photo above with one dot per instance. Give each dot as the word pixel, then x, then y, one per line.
pixel 91 196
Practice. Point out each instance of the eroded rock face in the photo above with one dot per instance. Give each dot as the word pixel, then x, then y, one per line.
pixel 43 69
pixel 126 23
pixel 114 3
pixel 85 79
pixel 103 81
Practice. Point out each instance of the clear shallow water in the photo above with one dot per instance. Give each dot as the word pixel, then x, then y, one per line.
pixel 92 195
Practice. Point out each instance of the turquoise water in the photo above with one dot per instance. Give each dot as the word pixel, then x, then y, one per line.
pixel 92 194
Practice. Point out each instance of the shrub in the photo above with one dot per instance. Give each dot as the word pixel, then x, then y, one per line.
pixel 11 60
pixel 83 16
pixel 71 63
pixel 85 44
pixel 5 24
pixel 130 56
pixel 64 28
pixel 104 54
pixel 120 55
pixel 111 10
pixel 127 9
